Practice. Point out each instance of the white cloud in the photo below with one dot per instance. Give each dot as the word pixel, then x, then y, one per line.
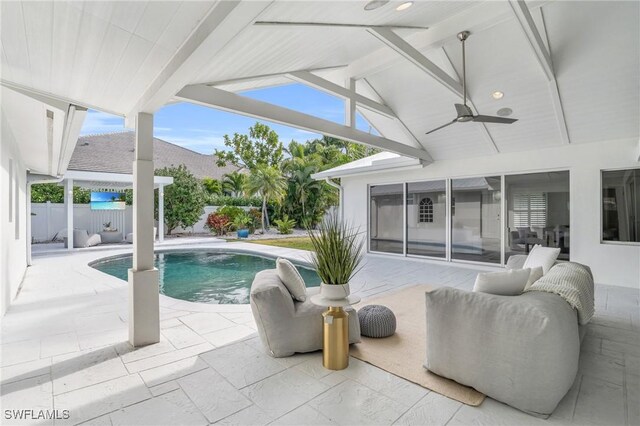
pixel 100 122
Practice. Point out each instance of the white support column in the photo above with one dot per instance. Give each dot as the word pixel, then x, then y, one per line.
pixel 161 213
pixel 144 308
pixel 68 204
pixel 350 105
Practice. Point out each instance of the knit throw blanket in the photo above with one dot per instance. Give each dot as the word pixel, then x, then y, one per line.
pixel 574 283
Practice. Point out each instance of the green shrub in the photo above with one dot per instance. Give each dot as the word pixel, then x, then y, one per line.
pixel 242 221
pixel 256 217
pixel 217 223
pixel 285 225
pixel 231 212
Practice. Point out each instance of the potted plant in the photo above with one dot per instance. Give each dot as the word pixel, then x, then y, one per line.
pixel 241 223
pixel 338 253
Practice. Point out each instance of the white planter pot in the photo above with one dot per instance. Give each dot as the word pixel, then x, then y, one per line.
pixel 334 291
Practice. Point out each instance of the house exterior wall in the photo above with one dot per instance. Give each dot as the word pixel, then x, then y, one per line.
pixel 612 264
pixel 13 210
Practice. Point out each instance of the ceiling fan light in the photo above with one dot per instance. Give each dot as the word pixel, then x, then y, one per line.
pixel 404 6
pixel 375 4
pixel 497 95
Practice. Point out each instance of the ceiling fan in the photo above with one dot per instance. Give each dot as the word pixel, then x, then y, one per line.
pixel 464 112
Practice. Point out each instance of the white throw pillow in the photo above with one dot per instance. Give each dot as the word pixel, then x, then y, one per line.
pixel 291 279
pixel 535 275
pixel 507 283
pixel 541 256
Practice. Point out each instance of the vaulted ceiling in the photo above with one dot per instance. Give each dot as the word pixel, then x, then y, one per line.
pixel 119 56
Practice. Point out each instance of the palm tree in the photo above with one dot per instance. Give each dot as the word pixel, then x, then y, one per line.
pixel 303 185
pixel 269 183
pixel 233 183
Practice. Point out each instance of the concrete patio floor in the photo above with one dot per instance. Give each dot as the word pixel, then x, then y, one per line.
pixel 64 346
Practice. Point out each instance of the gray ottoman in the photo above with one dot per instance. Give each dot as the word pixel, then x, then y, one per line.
pixel 376 321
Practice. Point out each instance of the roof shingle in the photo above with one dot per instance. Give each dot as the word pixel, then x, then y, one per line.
pixel 113 153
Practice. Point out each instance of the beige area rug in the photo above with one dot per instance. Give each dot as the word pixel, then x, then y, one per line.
pixel 403 354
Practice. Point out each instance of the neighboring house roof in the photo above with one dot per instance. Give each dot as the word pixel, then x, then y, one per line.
pixel 113 153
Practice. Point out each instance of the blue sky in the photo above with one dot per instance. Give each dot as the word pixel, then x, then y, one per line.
pixel 202 129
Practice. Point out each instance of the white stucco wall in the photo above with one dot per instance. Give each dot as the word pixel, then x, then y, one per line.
pixel 612 264
pixel 13 207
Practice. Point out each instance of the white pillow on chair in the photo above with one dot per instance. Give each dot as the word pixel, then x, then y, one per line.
pixel 536 274
pixel 291 278
pixel 541 256
pixel 504 283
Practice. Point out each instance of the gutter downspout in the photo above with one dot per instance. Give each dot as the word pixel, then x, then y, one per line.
pixel 340 197
pixel 35 179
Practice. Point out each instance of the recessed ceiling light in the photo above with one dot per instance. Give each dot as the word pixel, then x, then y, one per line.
pixel 374 4
pixel 497 94
pixel 504 112
pixel 404 6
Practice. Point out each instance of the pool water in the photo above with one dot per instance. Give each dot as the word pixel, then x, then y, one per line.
pixel 204 276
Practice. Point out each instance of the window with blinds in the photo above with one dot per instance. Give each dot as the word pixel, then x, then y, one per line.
pixel 530 209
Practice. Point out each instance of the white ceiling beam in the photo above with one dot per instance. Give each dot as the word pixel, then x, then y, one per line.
pixel 522 14
pixel 414 140
pixel 476 18
pixel 225 20
pixel 257 78
pixel 538 42
pixel 227 101
pixel 327 86
pixel 72 127
pixel 411 54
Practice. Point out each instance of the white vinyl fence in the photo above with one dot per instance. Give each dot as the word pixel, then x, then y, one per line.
pixel 50 218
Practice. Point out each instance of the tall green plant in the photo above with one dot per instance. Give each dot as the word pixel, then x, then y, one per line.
pixel 338 250
pixel 183 200
pixel 269 183
pixel 233 183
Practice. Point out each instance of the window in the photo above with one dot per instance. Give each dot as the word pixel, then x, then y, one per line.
pixel 426 218
pixel 425 213
pixel 621 205
pixel 385 218
pixel 530 209
pixel 538 212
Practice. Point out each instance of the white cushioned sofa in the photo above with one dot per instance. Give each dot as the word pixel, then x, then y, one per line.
pixel 287 326
pixel 522 350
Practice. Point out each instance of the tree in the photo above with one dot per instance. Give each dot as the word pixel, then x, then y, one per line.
pixel 261 147
pixel 304 186
pixel 183 200
pixel 233 183
pixel 269 183
pixel 212 186
pixel 53 192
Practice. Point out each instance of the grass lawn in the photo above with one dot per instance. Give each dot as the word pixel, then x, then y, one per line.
pixel 300 243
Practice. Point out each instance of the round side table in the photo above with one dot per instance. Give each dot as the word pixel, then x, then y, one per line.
pixel 335 351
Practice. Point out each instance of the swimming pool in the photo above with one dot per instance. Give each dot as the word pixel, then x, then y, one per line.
pixel 204 276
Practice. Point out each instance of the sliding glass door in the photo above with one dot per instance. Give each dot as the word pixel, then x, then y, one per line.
pixel 538 212
pixel 475 219
pixel 427 218
pixel 385 218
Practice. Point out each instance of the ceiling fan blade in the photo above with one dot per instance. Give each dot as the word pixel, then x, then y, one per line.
pixel 443 126
pixel 491 119
pixel 463 110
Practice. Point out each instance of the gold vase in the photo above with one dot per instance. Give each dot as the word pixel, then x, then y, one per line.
pixel 335 354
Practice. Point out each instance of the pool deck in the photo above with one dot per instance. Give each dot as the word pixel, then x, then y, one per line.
pixel 64 346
